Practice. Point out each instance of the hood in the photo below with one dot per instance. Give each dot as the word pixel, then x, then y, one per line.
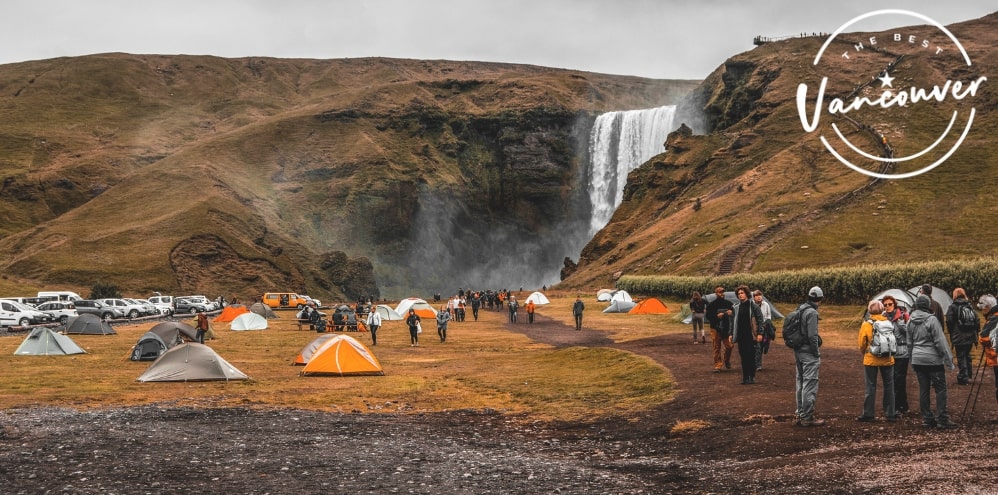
pixel 922 302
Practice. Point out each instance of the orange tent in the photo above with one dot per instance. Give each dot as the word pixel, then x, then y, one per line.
pixel 650 306
pixel 230 313
pixel 342 355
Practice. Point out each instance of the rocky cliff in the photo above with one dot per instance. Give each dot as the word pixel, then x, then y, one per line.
pixel 747 188
pixel 339 178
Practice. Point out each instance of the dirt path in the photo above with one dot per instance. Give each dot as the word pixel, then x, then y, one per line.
pixel 752 439
pixel 737 439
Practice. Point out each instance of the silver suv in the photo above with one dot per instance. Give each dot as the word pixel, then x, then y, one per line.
pixel 97 308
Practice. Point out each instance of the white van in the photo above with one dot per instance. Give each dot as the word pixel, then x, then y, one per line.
pixel 59 295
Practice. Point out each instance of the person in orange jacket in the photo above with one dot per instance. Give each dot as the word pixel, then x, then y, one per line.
pixel 989 308
pixel 530 307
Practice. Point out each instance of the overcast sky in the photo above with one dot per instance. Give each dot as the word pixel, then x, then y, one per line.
pixel 673 39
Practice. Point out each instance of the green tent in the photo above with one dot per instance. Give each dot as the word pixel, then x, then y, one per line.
pixel 42 341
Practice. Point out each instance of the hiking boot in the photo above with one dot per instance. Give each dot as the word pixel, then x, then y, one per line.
pixel 893 419
pixel 717 370
pixel 727 365
pixel 949 425
pixel 865 419
pixel 703 340
pixel 928 424
pixel 812 422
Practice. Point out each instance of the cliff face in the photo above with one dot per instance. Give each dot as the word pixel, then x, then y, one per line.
pixel 751 190
pixel 339 178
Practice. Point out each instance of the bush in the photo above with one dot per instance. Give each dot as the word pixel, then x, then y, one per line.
pixel 103 291
pixel 843 285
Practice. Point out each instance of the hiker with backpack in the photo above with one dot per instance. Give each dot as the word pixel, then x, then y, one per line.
pixel 768 331
pixel 897 315
pixel 930 358
pixel 963 325
pixel 807 358
pixel 878 344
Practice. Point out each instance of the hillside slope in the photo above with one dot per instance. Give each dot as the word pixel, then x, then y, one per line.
pixel 239 176
pixel 759 193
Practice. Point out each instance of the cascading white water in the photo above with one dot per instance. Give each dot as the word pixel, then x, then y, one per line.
pixel 620 142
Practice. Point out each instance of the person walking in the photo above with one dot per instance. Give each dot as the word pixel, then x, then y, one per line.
pixel 768 330
pixel 577 310
pixel 442 318
pixel 530 307
pixel 899 317
pixel 513 308
pixel 476 304
pixel 373 324
pixel 876 364
pixel 746 324
pixel 719 313
pixel 963 325
pixel 698 306
pixel 929 356
pixel 807 359
pixel 412 321
pixel 201 327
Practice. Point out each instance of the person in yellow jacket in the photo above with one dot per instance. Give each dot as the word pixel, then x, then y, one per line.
pixel 874 365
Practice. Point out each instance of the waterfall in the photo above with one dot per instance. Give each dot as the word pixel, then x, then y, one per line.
pixel 620 142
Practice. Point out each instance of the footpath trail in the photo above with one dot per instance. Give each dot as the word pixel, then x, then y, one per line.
pixel 747 432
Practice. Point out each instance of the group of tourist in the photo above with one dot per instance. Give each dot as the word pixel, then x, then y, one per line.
pixel 890 339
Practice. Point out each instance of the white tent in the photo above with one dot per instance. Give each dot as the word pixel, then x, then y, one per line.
pixel 420 305
pixel 621 295
pixel 938 295
pixel 619 306
pixel 249 321
pixel 538 298
pixel 604 294
pixel 387 313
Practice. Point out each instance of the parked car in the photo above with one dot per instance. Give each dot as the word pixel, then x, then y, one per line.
pixel 164 303
pixel 61 311
pixel 208 303
pixel 130 309
pixel 185 305
pixel 148 308
pixel 97 308
pixel 22 315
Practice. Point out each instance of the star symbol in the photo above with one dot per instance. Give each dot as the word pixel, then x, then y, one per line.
pixel 886 80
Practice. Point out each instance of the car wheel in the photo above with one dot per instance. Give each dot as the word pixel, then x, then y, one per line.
pixel 23 322
pixel 194 310
pixel 106 316
pixel 63 319
pixel 133 314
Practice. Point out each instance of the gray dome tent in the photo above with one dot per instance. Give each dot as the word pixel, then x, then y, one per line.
pixel 88 324
pixel 42 341
pixel 191 362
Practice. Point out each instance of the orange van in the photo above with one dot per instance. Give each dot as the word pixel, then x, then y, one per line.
pixel 284 300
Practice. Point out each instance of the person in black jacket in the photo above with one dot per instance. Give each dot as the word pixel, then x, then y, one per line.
pixel 962 336
pixel 747 324
pixel 719 312
pixel 577 310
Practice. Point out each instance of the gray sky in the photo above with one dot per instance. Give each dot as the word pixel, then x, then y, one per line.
pixel 674 39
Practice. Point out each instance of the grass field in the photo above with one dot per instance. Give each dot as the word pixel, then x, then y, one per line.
pixel 481 366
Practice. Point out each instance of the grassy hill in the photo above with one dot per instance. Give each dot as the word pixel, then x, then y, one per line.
pixel 758 193
pixel 239 176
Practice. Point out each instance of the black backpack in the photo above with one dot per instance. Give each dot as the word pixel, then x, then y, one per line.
pixel 966 318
